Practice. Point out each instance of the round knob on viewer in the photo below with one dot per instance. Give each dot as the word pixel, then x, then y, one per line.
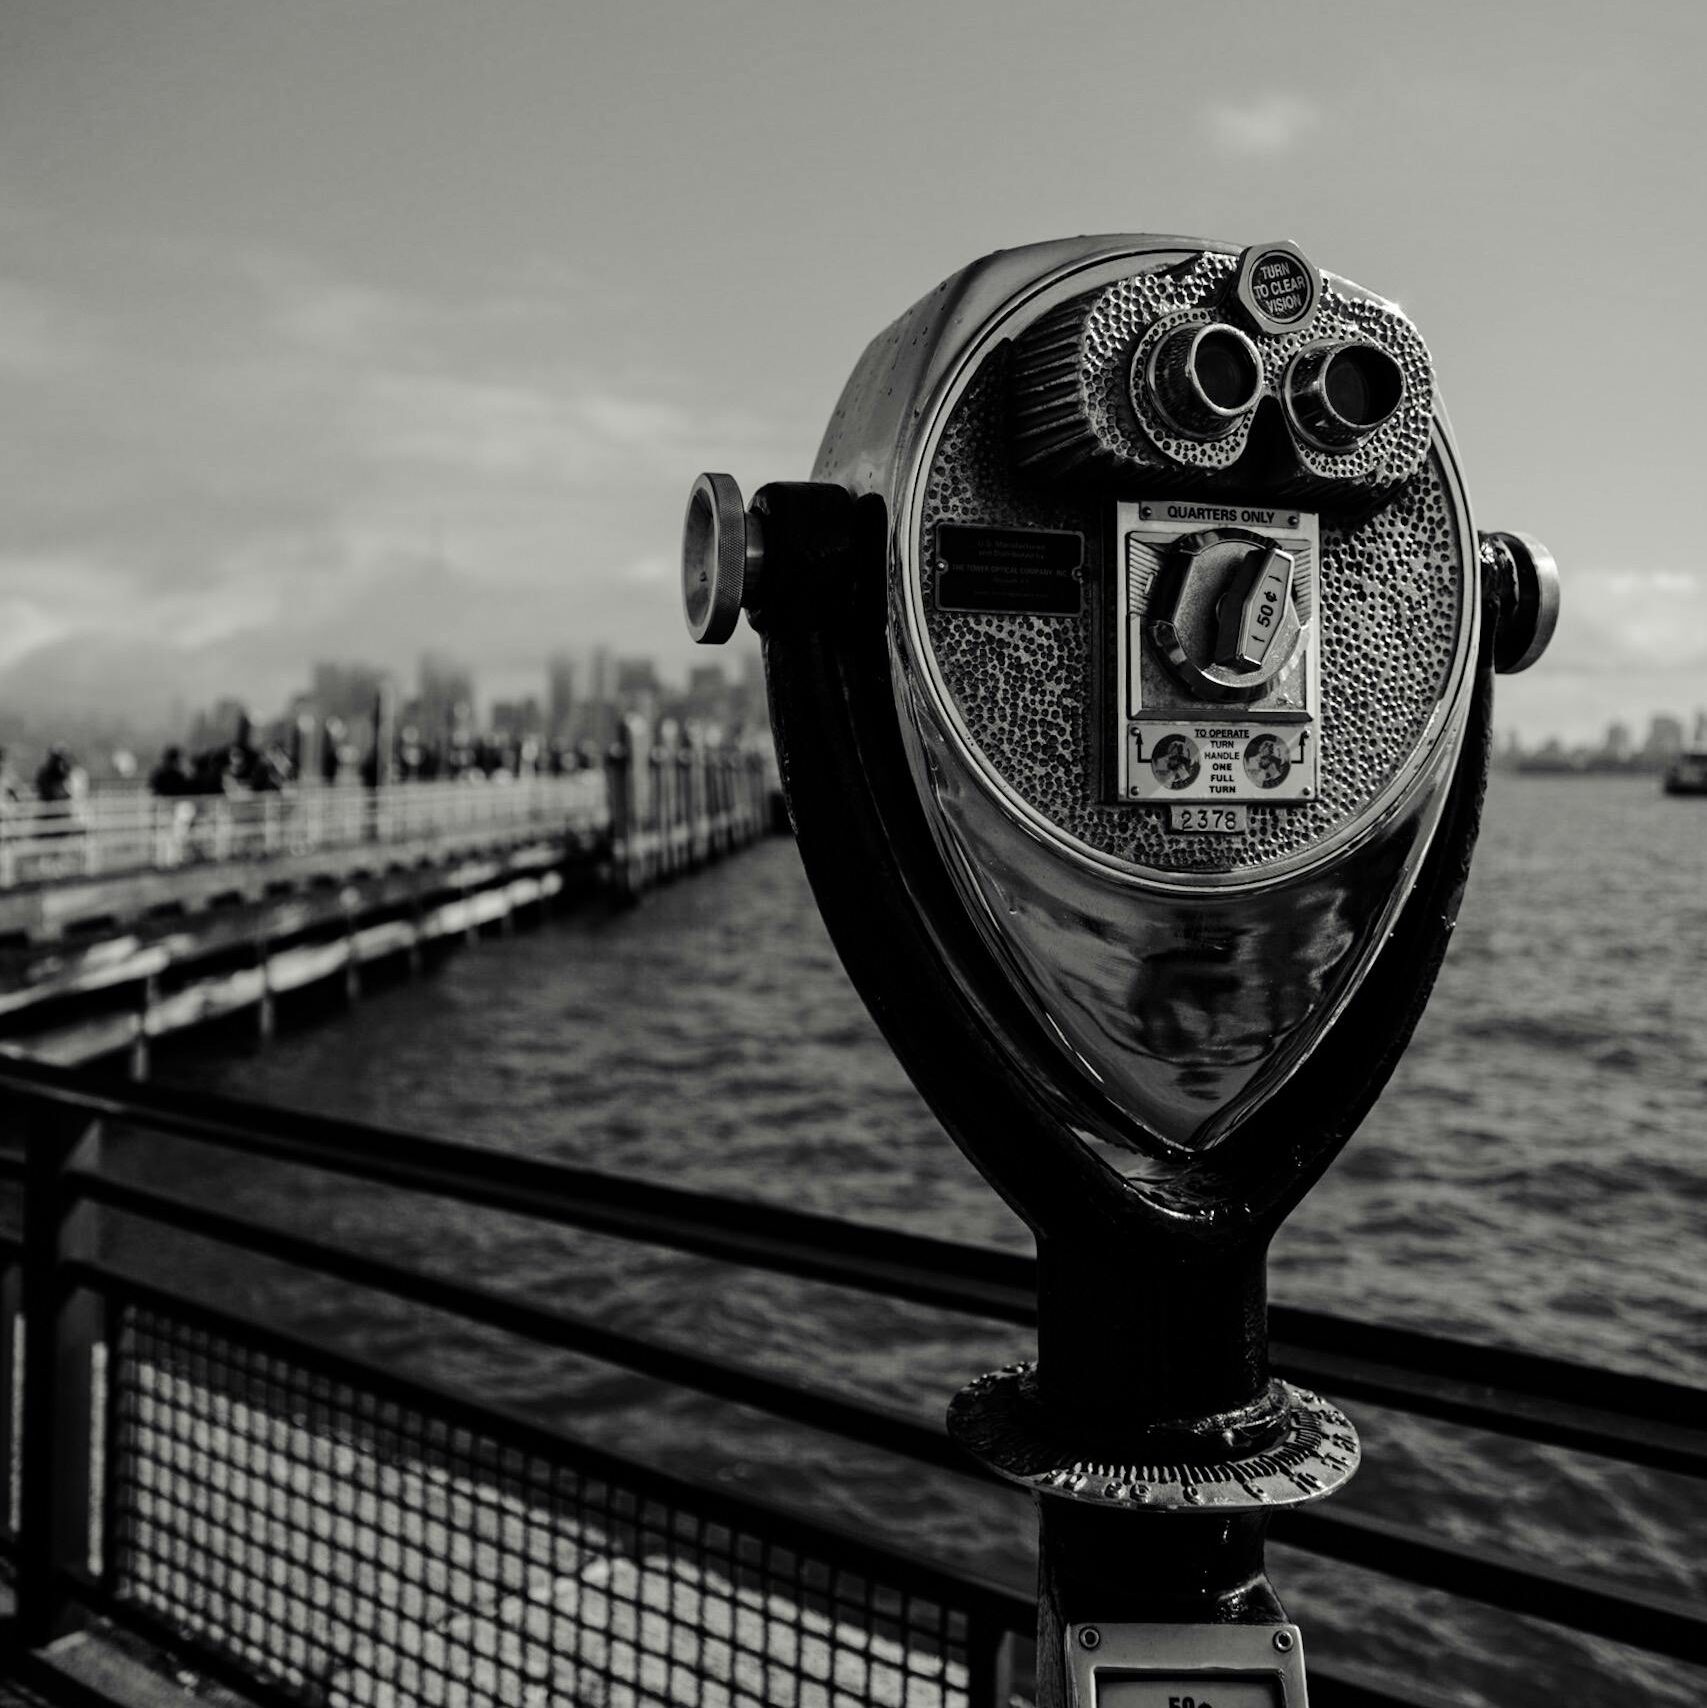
pixel 1223 616
pixel 722 555
pixel 1528 588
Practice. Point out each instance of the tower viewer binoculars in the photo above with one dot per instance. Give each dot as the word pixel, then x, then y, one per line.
pixel 1130 657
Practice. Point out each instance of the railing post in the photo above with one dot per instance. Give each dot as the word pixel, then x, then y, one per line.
pixel 619 792
pixel 660 813
pixel 59 1486
pixel 699 848
pixel 989 1664
pixel 266 1015
pixel 352 959
pixel 11 1390
pixel 148 991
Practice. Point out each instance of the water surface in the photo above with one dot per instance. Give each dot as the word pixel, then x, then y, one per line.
pixel 1534 1176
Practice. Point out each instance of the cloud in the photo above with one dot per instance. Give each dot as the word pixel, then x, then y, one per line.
pixel 654 570
pixel 24 627
pixel 1631 622
pixel 1270 124
pixel 39 336
pixel 269 465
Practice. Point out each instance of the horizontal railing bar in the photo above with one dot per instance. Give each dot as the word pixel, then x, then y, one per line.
pixel 956 1585
pixel 1636 1419
pixel 1337 1685
pixel 1662 1624
pixel 757 1235
pixel 1506 1369
pixel 1655 1442
pixel 1665 1625
pixel 872 1426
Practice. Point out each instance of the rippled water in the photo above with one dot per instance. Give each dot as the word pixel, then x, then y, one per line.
pixel 1535 1176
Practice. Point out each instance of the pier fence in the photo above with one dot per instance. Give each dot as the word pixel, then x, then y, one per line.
pixel 309 1525
pixel 667 803
pixel 132 917
pixel 128 829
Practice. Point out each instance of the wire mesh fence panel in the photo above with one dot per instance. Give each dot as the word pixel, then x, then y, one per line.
pixel 358 1551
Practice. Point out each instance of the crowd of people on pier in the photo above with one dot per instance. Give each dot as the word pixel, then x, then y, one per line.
pixel 242 796
pixel 245 767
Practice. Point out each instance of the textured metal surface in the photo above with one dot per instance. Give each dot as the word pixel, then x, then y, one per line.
pixel 1182 978
pixel 1390 594
pixel 1077 404
pixel 1001 1421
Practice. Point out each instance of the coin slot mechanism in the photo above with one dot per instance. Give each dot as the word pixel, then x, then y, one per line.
pixel 1215 695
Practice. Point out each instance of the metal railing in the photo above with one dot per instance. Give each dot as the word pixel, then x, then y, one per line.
pixel 121 830
pixel 674 807
pixel 318 1529
pixel 666 804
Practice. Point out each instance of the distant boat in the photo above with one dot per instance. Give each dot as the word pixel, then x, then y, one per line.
pixel 1687 773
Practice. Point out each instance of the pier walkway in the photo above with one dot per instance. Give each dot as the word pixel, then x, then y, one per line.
pixel 125 916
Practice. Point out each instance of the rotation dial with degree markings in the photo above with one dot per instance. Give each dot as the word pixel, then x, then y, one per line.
pixel 1223 615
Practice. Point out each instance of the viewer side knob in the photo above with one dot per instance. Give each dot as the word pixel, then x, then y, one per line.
pixel 1528 588
pixel 722 555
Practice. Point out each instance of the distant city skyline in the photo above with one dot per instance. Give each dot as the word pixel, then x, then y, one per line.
pixel 565 682
pixel 438 693
pixel 1664 736
pixel 332 331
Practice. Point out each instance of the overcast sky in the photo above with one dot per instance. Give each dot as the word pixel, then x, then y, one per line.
pixel 337 331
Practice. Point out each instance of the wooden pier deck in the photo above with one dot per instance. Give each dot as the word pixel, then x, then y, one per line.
pixel 127 917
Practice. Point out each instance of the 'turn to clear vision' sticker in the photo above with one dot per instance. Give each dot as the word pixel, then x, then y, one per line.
pixel 1019 571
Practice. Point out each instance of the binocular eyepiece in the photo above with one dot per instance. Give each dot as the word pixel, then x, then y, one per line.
pixel 1202 379
pixel 1338 393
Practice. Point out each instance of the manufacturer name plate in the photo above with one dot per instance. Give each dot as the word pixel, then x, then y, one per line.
pixel 1169 1666
pixel 1019 571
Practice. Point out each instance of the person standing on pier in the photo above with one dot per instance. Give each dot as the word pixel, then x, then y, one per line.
pixel 60 778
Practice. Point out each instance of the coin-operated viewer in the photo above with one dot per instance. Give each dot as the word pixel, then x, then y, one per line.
pixel 1130 659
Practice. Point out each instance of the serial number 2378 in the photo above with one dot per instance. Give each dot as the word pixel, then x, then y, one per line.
pixel 1225 818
